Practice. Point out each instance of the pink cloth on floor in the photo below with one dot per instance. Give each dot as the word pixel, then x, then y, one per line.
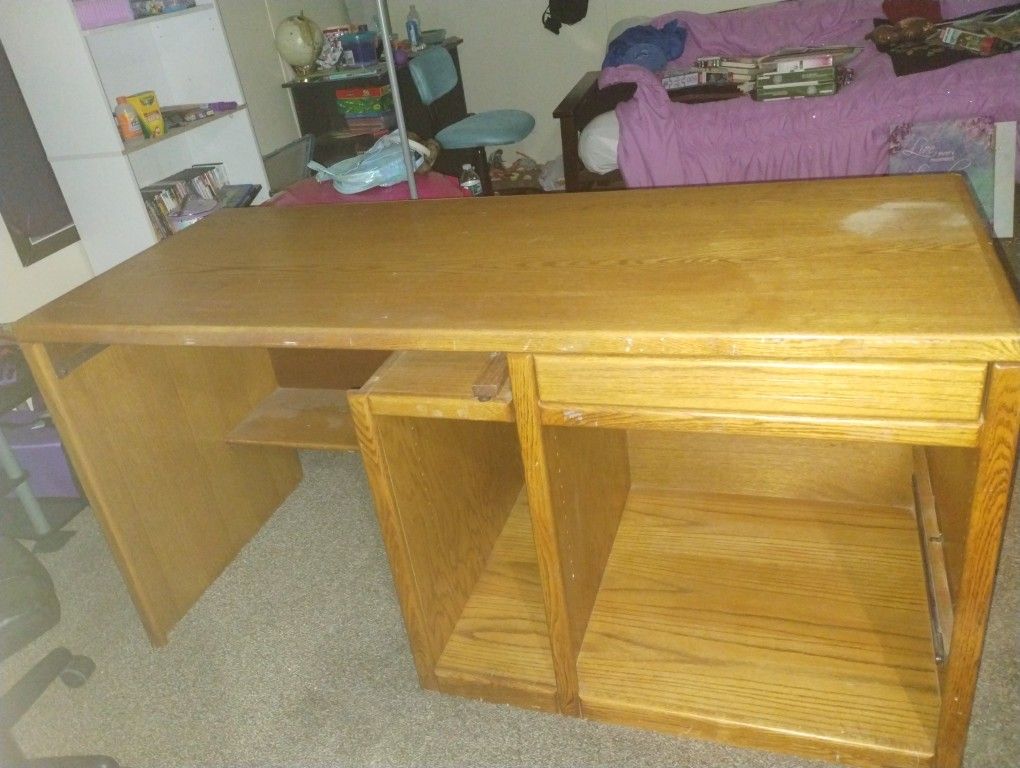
pixel 312 192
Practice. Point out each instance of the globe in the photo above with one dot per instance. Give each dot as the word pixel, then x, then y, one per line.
pixel 299 40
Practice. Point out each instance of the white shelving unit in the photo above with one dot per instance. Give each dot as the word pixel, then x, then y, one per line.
pixel 71 79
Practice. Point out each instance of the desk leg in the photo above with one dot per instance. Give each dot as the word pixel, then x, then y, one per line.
pixel 144 428
pixel 973 540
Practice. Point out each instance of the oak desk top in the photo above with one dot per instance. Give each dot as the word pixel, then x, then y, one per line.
pixel 848 268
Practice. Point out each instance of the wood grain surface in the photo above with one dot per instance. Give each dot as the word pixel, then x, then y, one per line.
pixel 864 473
pixel 894 390
pixel 299 418
pixel 990 501
pixel 925 432
pixel 436 385
pixel 771 622
pixel 145 428
pixel 499 648
pixel 884 267
pixel 453 484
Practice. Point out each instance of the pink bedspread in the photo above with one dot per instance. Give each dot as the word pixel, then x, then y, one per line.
pixel 666 144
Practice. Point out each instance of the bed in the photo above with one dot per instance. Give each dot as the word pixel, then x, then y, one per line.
pixel 663 142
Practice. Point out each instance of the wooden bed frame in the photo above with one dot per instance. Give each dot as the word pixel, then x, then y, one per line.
pixel 586 101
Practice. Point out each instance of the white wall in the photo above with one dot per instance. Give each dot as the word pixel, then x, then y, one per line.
pixel 23 289
pixel 508 59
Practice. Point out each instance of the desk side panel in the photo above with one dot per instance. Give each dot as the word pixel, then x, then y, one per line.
pixel 144 427
pixel 972 563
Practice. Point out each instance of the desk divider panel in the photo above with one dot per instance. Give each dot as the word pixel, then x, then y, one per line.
pixel 577 483
pixel 447 479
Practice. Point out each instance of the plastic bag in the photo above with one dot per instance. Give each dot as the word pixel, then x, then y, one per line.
pixel 380 166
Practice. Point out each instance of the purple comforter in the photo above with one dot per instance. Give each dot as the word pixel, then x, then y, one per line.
pixel 666 144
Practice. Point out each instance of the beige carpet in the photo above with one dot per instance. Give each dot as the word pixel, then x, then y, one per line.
pixel 296 657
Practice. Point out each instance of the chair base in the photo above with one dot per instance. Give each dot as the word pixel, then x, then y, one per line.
pixel 57 512
pixel 73 671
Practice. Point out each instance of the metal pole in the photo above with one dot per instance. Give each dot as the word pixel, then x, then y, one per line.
pixel 391 68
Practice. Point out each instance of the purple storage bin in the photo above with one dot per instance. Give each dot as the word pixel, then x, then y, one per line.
pixel 102 13
pixel 40 453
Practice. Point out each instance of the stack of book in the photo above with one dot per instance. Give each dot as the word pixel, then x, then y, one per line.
pixel 795 76
pixel 734 69
pixel 367 110
pixel 167 196
pixel 711 70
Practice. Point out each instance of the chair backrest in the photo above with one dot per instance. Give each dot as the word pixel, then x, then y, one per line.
pixel 289 163
pixel 434 73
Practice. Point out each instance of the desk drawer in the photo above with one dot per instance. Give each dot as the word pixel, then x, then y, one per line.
pixel 893 390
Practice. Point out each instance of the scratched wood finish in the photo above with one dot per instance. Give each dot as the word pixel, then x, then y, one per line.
pixel 436 385
pixel 453 484
pixel 893 390
pixel 144 427
pixel 299 418
pixel 499 648
pixel 866 473
pixel 989 503
pixel 789 624
pixel 894 267
pixel 956 433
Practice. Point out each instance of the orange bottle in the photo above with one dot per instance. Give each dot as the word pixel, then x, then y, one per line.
pixel 128 123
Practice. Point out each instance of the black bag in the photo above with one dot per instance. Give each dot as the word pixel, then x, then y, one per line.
pixel 562 12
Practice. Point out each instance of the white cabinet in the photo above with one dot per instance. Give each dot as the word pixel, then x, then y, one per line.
pixel 71 78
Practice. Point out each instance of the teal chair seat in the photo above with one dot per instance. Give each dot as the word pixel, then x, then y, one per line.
pixel 486 129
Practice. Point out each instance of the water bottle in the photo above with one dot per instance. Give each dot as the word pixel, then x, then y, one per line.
pixel 470 180
pixel 414 29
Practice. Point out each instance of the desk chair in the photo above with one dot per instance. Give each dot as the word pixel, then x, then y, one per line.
pixel 289 164
pixel 434 75
pixel 28 608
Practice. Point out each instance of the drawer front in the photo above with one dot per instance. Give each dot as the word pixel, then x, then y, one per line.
pixel 894 390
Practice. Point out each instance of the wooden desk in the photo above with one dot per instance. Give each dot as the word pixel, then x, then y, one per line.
pixel 747 481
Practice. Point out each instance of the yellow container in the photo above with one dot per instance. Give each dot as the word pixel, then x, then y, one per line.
pixel 147 106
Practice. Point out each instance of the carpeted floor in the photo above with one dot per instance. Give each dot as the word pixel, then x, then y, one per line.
pixel 296 656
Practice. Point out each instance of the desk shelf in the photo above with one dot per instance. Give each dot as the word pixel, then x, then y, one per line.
pixel 299 418
pixel 500 644
pixel 781 623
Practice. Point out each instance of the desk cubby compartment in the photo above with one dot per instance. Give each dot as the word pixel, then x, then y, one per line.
pixel 446 474
pixel 308 407
pixel 763 591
